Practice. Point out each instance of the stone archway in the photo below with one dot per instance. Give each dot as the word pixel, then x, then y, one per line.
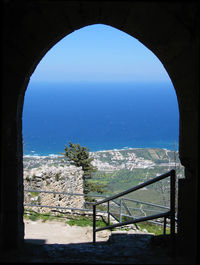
pixel 31 28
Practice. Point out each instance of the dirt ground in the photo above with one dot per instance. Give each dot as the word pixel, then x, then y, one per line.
pixel 61 233
pixel 57 242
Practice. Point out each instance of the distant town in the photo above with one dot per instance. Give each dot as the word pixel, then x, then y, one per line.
pixel 112 160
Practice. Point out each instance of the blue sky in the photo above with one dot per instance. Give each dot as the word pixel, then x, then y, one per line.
pixel 99 53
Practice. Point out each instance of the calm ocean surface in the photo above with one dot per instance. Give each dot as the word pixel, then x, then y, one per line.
pixel 100 116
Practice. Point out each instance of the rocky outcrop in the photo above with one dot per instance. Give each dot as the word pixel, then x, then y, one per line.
pixel 54 178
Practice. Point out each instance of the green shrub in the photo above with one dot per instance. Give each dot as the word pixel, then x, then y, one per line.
pixel 84 221
pixel 153 228
pixel 34 194
pixel 57 176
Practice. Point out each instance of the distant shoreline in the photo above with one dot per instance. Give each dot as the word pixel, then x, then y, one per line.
pixel 100 151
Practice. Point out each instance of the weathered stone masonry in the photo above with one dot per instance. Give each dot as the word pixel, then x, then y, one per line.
pixel 50 178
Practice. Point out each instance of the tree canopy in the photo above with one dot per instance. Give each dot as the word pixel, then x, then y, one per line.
pixel 79 156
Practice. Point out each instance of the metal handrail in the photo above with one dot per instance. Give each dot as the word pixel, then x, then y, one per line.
pixel 136 220
pixel 107 199
pixel 80 209
pixel 65 193
pixel 147 203
pixel 142 185
pixel 91 195
pixel 169 214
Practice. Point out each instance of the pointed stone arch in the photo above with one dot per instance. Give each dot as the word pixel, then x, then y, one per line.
pixel 31 28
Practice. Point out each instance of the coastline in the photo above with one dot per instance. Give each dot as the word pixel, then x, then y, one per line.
pixel 111 160
pixel 51 155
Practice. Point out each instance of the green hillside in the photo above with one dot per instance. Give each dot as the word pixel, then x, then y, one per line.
pixel 123 179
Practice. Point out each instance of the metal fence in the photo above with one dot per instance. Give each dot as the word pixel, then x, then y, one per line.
pixel 116 209
pixel 167 214
pixel 118 206
pixel 121 205
pixel 62 193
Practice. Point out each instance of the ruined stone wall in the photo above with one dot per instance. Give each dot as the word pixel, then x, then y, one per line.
pixel 54 178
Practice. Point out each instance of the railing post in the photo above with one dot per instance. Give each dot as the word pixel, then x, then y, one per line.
pixel 108 210
pixel 164 227
pixel 172 209
pixel 94 224
pixel 120 214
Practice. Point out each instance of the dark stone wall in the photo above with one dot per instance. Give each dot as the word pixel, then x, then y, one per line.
pixel 31 28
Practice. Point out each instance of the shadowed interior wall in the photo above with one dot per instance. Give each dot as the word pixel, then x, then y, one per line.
pixel 31 28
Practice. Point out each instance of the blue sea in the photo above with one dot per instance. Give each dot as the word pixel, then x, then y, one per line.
pixel 100 116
